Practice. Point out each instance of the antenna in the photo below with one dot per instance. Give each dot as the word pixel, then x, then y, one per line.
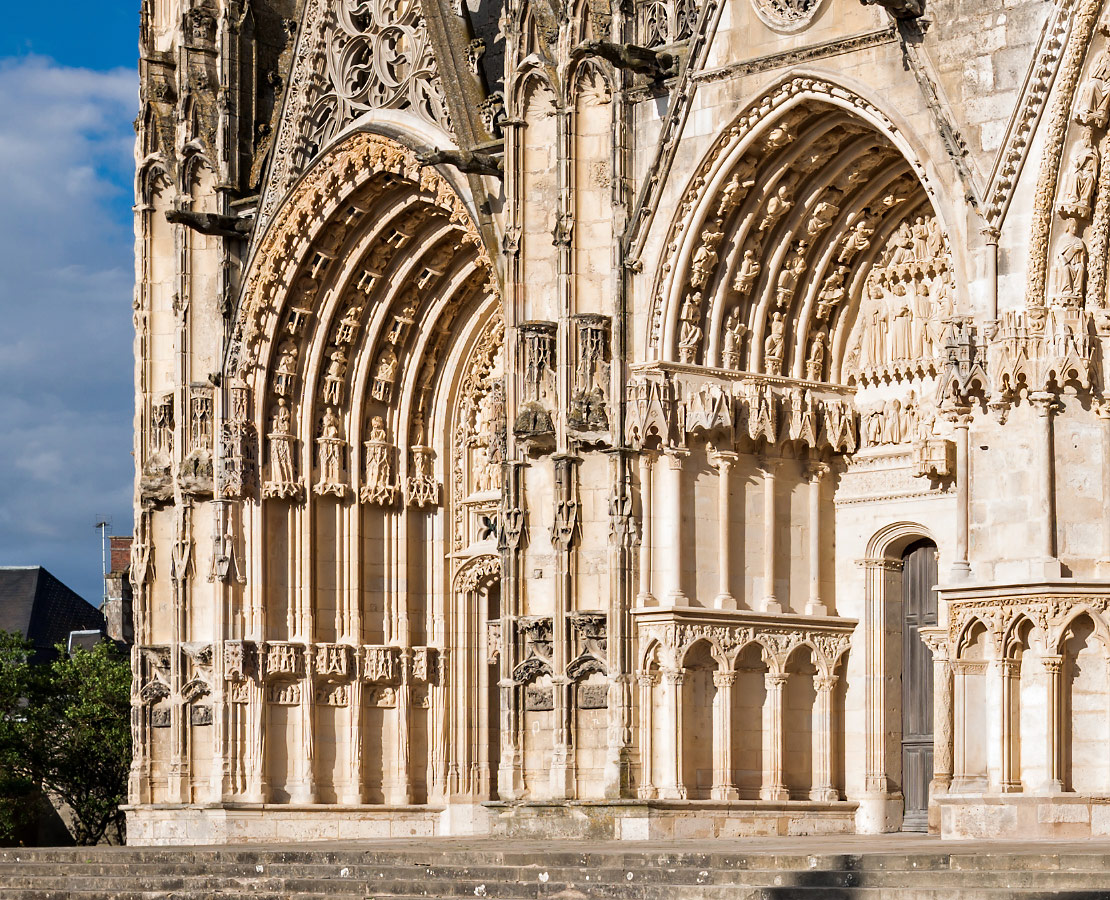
pixel 103 523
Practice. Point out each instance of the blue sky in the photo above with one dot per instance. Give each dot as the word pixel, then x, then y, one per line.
pixel 68 96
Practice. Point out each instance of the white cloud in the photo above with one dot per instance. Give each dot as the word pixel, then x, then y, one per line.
pixel 66 276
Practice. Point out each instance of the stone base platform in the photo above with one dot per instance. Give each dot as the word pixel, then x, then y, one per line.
pixel 172 825
pixel 803 868
pixel 1048 817
pixel 654 820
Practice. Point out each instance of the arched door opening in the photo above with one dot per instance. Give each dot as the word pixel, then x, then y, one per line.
pixel 919 610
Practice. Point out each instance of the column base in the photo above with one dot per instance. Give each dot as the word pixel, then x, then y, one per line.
pixel 771 605
pixel 960 571
pixel 303 795
pixel 672 792
pixel 724 792
pixel 562 775
pixel 725 601
pixel 1010 787
pixel 816 608
pixel 776 793
pixel 352 798
pixel 879 812
pixel 677 598
pixel 824 795
pixel 647 600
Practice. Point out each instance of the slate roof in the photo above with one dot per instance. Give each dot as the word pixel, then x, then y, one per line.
pixel 37 605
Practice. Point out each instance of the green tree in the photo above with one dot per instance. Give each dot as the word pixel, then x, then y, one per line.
pixel 65 729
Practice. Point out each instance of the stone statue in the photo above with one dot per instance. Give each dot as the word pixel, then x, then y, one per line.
pixel 1077 195
pixel 815 365
pixel 778 206
pixel 748 273
pixel 1093 102
pixel 1070 267
pixel 705 259
pixel 773 346
pixel 691 331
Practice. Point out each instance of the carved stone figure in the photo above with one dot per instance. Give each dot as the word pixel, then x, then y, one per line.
pixel 773 345
pixel 690 331
pixel 329 460
pixel 748 272
pixel 815 365
pixel 379 488
pixel 1093 102
pixel 283 481
pixel 1069 270
pixel 857 240
pixel 705 259
pixel 383 377
pixel 734 335
pixel 1077 194
pixel 335 375
pixel 286 371
pixel 781 202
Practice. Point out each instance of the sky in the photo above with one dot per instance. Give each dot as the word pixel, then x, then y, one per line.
pixel 68 97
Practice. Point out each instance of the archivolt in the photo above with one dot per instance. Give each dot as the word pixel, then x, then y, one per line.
pixel 348 307
pixel 779 229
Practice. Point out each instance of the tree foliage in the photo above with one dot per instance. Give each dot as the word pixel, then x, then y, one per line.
pixel 65 731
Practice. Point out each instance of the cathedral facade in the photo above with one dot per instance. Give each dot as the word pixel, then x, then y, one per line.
pixel 621 420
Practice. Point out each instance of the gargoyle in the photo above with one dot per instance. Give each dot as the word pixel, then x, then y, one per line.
pixel 213 224
pixel 641 60
pixel 466 161
pixel 900 9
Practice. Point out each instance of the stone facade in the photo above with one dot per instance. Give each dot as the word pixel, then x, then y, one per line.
pixel 658 419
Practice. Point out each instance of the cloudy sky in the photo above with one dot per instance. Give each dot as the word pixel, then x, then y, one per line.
pixel 68 96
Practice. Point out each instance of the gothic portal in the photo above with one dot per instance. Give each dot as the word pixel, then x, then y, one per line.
pixel 677 418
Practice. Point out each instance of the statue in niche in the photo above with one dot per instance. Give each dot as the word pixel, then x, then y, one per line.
pixel 283 470
pixel 705 259
pixel 773 346
pixel 383 378
pixel 919 233
pixel 734 335
pixel 815 365
pixel 286 370
pixel 334 376
pixel 1070 267
pixel 788 279
pixel 690 333
pixel 1076 198
pixel 748 273
pixel 1093 106
pixel 823 215
pixel 379 487
pixel 401 322
pixel 873 338
pixel 901 325
pixel 857 240
pixel 832 293
pixel 902 250
pixel 778 206
pixel 330 455
pixel 348 325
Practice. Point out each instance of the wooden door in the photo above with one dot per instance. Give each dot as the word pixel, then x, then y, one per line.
pixel 919 610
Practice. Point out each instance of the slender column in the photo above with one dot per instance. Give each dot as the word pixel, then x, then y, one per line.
pixel 773 787
pixel 936 639
pixel 1009 671
pixel 961 567
pixel 880 578
pixel 816 471
pixel 305 790
pixel 1054 782
pixel 676 544
pixel 724 461
pixel 647 681
pixel 647 463
pixel 823 723
pixel 990 237
pixel 769 468
pixel 1044 546
pixel 724 787
pixel 959 762
pixel 400 788
pixel 672 787
pixel 352 794
pixel 1104 420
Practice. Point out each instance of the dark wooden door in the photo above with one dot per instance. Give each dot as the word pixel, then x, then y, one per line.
pixel 919 610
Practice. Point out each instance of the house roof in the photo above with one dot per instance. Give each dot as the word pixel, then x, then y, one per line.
pixel 38 606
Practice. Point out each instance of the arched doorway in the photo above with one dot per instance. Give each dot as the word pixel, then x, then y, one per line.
pixel 919 610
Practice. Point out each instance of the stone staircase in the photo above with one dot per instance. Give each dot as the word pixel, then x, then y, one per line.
pixel 452 869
